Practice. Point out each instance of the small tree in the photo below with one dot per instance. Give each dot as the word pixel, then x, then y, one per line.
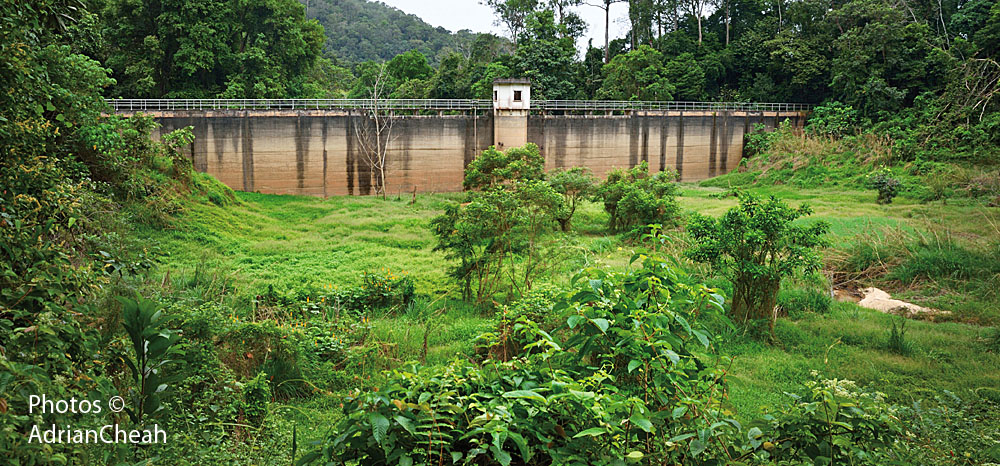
pixel 374 133
pixel 151 348
pixel 496 168
pixel 635 198
pixel 496 233
pixel 575 184
pixel 755 245
pixel 886 185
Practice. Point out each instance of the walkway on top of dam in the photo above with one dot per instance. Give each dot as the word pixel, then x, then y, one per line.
pixel 446 105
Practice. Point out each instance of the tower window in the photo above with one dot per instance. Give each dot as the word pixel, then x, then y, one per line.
pixel 517 96
pixel 495 95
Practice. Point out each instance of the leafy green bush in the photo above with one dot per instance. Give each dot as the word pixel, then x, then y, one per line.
pixel 634 198
pixel 832 119
pixel 833 422
pixel 575 184
pixel 754 246
pixel 517 323
pixel 497 233
pixel 493 167
pixel 759 140
pixel 607 392
pixel 254 347
pixel 949 430
pixel 379 290
pixel 255 396
pixel 151 345
pixel 886 185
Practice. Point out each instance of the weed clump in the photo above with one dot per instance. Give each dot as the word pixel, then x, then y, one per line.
pixel 896 341
pixel 797 302
pixel 886 185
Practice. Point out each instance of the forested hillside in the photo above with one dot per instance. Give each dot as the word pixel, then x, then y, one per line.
pixel 360 30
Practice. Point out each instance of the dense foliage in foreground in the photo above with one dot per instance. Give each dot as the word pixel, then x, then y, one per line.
pixel 633 376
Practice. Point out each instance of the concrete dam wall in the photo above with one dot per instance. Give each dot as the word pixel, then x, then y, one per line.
pixel 317 152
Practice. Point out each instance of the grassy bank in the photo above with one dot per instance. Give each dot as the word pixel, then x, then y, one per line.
pixel 298 245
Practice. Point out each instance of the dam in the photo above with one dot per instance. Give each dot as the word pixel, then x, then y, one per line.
pixel 312 147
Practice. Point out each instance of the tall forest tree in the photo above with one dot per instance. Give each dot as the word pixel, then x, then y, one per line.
pixel 606 6
pixel 512 14
pixel 210 48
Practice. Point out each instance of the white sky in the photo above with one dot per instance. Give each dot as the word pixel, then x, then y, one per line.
pixel 470 14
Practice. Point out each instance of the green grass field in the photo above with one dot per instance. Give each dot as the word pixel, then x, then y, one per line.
pixel 297 246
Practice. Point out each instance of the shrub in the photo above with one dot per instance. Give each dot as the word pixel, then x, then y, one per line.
pixel 833 422
pixel 496 234
pixel 606 393
pixel 382 289
pixel 255 396
pixel 832 119
pixel 517 323
pixel 758 141
pixel 886 185
pixel 634 198
pixel 949 430
pixel 797 302
pixel 151 345
pixel 494 168
pixel 755 245
pixel 255 347
pixel 575 184
pixel 896 341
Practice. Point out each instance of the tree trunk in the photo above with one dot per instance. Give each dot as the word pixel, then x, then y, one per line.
pixel 755 300
pixel 699 29
pixel 727 22
pixel 607 22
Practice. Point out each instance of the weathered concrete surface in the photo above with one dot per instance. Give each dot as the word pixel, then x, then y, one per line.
pixel 316 152
pixel 698 144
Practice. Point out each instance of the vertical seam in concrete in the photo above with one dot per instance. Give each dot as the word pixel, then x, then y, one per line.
pixel 633 140
pixel 324 130
pixel 645 139
pixel 247 143
pixel 300 156
pixel 349 143
pixel 679 162
pixel 725 141
pixel 664 128
pixel 713 145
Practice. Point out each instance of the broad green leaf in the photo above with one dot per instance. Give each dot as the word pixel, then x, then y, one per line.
pixel 501 456
pixel 602 324
pixel 592 432
pixel 641 422
pixel 633 364
pixel 406 423
pixel 528 394
pixel 698 446
pixel 380 426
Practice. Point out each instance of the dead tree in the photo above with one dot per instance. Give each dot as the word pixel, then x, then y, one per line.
pixel 374 132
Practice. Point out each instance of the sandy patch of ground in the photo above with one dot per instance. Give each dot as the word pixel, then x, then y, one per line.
pixel 874 298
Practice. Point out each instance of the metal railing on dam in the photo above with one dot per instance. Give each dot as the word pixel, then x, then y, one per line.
pixel 127 105
pixel 120 105
pixel 628 105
